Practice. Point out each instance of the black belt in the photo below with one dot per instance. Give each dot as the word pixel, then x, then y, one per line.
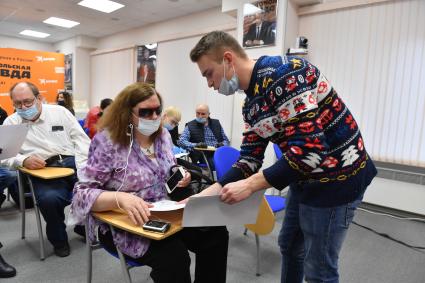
pixel 56 158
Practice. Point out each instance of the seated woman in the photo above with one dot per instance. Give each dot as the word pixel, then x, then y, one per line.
pixel 64 99
pixel 171 119
pixel 129 162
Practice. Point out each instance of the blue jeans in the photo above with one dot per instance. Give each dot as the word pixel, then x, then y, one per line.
pixel 311 238
pixel 52 198
pixel 7 178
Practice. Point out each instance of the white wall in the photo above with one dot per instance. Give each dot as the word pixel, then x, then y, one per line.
pixel 181 84
pixel 80 47
pixel 375 57
pixel 178 28
pixel 13 42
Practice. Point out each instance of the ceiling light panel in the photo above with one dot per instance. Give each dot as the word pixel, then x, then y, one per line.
pixel 105 6
pixel 34 33
pixel 61 22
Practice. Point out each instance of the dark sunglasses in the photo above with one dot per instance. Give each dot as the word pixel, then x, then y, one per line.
pixel 148 112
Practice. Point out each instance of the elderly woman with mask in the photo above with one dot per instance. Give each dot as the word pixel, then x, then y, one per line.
pixel 129 162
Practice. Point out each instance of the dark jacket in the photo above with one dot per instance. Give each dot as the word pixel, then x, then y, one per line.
pixel 197 134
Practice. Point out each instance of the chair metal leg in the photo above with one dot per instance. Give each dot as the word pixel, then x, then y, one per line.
pixel 37 215
pixel 89 254
pixel 208 165
pixel 90 247
pixel 257 242
pixel 123 262
pixel 21 202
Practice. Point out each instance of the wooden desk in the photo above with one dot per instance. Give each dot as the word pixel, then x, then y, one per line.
pixel 208 148
pixel 122 221
pixel 48 172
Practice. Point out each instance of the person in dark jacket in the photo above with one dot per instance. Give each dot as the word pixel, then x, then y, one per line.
pixel 202 132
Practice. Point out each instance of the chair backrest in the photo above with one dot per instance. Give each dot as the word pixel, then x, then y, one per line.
pixel 277 151
pixel 265 220
pixel 224 158
pixel 81 121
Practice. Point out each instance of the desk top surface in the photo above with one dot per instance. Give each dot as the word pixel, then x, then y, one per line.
pixel 209 148
pixel 122 221
pixel 48 172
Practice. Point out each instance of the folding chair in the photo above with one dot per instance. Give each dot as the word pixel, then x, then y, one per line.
pixel 126 265
pixel 45 173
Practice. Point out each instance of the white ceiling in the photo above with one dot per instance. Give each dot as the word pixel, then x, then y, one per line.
pixel 18 15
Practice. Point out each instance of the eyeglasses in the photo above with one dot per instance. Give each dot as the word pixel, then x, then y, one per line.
pixel 148 112
pixel 26 103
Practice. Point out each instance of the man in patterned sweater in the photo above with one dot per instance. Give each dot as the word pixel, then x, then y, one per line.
pixel 291 103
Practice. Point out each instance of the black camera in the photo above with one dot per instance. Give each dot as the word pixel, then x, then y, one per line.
pixel 302 42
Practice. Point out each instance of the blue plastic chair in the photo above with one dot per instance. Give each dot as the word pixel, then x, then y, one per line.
pixel 224 158
pixel 277 151
pixel 81 121
pixel 277 203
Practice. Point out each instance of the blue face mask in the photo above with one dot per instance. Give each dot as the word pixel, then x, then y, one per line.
pixel 148 127
pixel 201 120
pixel 29 113
pixel 228 87
pixel 169 127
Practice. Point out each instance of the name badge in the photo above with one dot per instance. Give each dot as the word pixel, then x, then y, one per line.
pixel 57 128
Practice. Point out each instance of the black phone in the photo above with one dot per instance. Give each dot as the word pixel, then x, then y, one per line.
pixel 156 226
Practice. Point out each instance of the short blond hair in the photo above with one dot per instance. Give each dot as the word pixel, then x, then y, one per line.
pixel 174 112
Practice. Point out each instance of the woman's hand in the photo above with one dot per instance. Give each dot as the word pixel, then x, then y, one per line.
pixel 185 181
pixel 136 208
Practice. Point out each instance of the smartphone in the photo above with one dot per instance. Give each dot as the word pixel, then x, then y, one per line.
pixel 156 226
pixel 174 180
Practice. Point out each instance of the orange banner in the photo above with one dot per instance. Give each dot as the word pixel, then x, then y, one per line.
pixel 44 69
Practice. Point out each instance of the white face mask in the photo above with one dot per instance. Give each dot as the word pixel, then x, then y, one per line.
pixel 228 87
pixel 148 127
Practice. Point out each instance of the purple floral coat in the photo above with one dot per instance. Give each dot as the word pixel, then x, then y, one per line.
pixel 105 172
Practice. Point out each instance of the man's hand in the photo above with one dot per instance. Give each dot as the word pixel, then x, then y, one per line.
pixel 136 208
pixel 185 181
pixel 235 192
pixel 201 145
pixel 34 162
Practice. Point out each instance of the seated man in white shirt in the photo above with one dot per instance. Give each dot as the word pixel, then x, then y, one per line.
pixel 55 138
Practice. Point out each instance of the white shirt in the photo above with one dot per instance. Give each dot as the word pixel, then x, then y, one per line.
pixel 55 132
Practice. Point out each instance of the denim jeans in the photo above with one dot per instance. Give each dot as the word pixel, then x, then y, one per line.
pixel 311 238
pixel 52 197
pixel 7 178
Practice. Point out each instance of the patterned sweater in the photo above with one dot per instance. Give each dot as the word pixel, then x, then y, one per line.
pixel 290 103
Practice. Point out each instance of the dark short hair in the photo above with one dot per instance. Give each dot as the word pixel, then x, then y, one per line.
pixel 67 97
pixel 105 103
pixel 214 44
pixel 32 86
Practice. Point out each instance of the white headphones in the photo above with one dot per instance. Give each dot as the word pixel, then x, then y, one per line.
pixel 130 134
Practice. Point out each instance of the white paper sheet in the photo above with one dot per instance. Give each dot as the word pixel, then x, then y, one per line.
pixel 211 211
pixel 166 205
pixel 12 138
